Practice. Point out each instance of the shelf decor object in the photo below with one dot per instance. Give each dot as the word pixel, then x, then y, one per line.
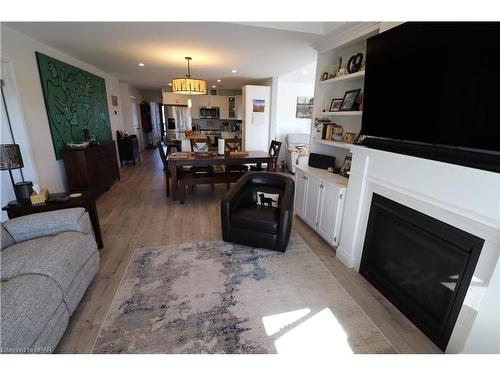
pixel 188 85
pixel 74 99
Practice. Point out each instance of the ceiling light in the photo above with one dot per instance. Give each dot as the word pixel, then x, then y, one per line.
pixel 234 71
pixel 141 64
pixel 213 86
pixel 170 83
pixel 188 85
pixel 218 80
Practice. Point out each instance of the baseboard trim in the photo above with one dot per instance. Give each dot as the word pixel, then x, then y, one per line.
pixel 345 256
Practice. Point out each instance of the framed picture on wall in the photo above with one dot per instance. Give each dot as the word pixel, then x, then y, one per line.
pixel 304 107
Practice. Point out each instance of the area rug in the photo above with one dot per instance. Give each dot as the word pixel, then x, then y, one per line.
pixel 218 297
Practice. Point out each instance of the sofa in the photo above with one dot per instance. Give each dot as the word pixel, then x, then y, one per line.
pixel 247 221
pixel 47 261
pixel 297 150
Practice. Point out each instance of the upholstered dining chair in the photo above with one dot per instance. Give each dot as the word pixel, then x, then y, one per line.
pixel 274 151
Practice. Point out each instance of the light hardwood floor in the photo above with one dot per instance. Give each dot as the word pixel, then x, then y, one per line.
pixel 135 212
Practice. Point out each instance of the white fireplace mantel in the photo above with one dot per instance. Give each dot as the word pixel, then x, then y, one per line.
pixel 466 198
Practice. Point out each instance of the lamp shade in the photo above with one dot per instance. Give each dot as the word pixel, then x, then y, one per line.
pixel 189 86
pixel 10 157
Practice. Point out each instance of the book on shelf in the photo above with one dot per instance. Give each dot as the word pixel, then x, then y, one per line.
pixel 332 132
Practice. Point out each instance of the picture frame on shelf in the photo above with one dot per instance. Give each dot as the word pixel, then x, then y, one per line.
pixel 337 133
pixel 335 104
pixel 349 100
pixel 346 167
pixel 349 137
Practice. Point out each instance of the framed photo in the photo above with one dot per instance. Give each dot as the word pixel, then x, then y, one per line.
pixel 349 137
pixel 349 100
pixel 337 132
pixel 346 167
pixel 304 107
pixel 335 105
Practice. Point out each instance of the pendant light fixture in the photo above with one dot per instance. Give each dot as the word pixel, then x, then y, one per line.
pixel 188 85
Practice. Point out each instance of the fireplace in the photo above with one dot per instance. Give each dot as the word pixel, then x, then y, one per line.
pixel 422 265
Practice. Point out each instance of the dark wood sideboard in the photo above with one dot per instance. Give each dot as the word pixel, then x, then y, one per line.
pixel 94 168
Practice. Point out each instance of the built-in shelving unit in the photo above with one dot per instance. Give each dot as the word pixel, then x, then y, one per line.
pixel 343 113
pixel 347 77
pixel 347 44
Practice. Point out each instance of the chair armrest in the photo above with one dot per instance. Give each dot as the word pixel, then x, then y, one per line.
pixel 286 215
pixel 49 223
pixel 228 203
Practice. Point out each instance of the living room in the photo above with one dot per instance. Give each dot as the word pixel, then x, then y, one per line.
pixel 230 187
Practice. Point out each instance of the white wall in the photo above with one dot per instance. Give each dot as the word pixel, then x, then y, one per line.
pixel 19 135
pixel 286 121
pixel 19 50
pixel 256 137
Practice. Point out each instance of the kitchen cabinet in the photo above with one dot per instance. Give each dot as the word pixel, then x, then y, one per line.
pixel 319 201
pixel 174 99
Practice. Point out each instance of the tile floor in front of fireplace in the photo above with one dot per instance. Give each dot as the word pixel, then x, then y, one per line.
pixel 135 213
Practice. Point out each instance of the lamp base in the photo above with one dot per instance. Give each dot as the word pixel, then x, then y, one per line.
pixel 23 190
pixel 13 204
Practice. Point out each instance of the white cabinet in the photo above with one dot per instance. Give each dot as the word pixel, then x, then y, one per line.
pixel 300 191
pixel 173 99
pixel 329 215
pixel 319 201
pixel 312 201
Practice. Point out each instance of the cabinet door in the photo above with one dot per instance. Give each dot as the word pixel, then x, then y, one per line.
pixel 239 107
pixel 300 192
pixel 330 212
pixel 312 201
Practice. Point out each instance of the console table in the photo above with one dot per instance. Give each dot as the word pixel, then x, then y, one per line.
pixel 87 201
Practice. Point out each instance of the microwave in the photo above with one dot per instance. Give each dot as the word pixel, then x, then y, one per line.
pixel 209 112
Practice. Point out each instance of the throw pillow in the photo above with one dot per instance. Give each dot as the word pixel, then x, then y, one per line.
pixel 267 199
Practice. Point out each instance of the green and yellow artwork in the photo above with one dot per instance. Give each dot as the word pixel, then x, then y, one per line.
pixel 74 99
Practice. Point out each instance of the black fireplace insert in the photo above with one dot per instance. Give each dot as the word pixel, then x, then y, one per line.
pixel 422 265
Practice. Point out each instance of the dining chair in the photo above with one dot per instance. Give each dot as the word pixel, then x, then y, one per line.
pixel 201 145
pixel 166 172
pixel 274 151
pixel 232 145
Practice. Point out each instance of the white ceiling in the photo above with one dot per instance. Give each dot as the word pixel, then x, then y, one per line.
pixel 257 52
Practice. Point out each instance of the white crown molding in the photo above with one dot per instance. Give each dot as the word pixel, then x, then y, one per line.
pixel 336 38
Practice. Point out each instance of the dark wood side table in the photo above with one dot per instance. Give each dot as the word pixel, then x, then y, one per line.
pixel 87 201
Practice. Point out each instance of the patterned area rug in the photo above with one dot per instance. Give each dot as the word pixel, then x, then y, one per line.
pixel 217 297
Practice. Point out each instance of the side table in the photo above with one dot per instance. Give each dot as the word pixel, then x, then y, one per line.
pixel 87 201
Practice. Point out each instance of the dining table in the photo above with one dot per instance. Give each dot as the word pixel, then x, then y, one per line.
pixel 181 159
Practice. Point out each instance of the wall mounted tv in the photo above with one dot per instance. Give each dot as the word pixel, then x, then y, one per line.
pixel 432 90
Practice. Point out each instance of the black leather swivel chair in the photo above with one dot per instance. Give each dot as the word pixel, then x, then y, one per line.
pixel 244 222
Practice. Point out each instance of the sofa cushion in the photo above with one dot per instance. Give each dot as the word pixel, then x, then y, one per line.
pixel 28 304
pixel 48 224
pixel 6 239
pixel 60 257
pixel 256 218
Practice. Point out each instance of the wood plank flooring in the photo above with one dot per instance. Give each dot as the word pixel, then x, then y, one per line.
pixel 135 212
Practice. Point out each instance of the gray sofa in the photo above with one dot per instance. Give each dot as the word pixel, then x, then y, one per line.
pixel 47 262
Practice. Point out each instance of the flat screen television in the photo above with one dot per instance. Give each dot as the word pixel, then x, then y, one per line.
pixel 432 90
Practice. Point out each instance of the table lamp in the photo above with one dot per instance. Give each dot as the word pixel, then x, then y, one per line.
pixel 11 158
